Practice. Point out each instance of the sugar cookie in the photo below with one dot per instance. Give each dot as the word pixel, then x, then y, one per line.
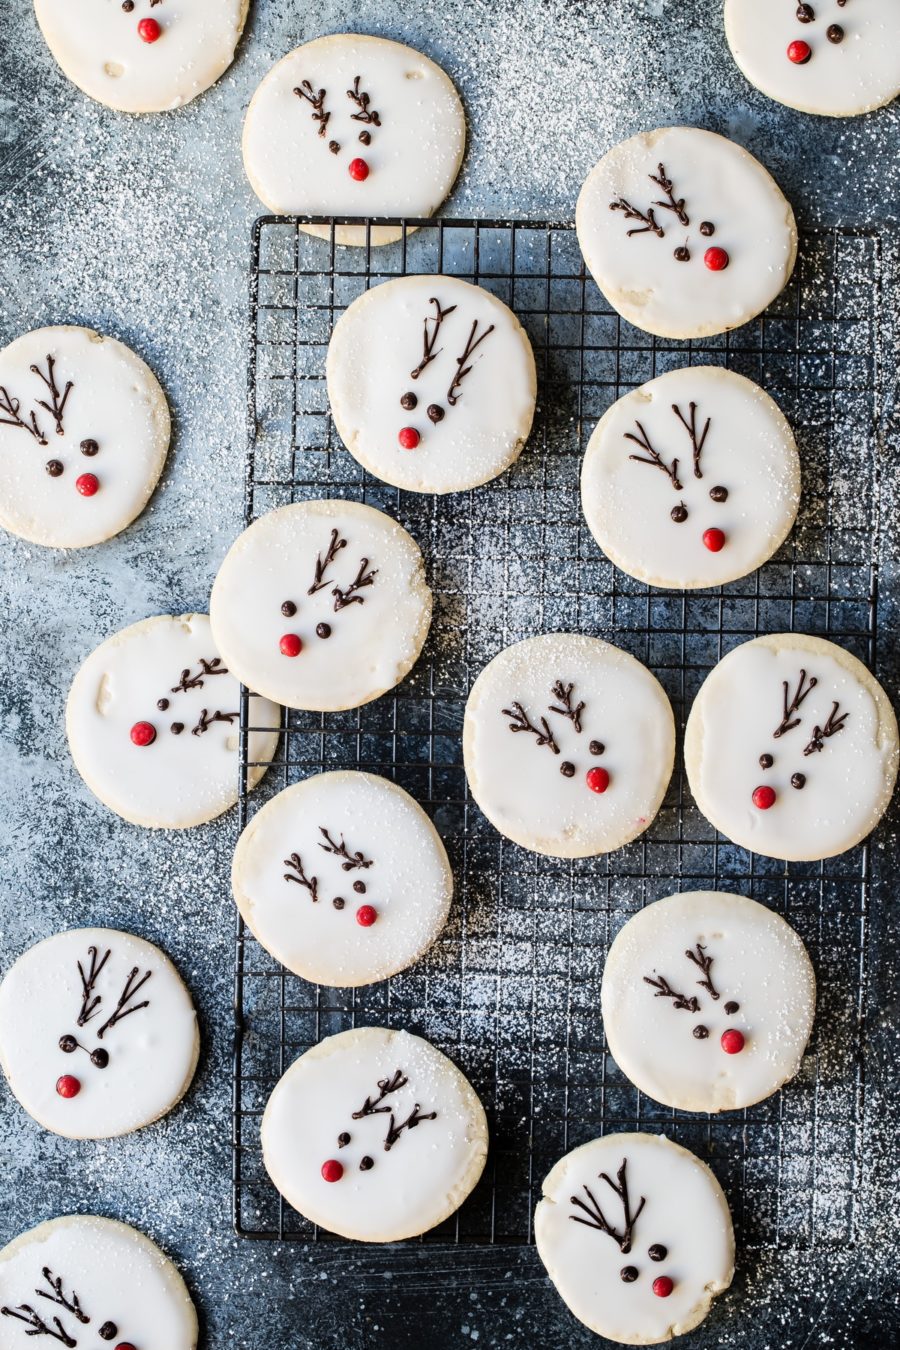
pixel 691 480
pixel 432 383
pixel 375 1135
pixel 84 431
pixel 153 724
pixel 636 1235
pixel 593 752
pixel 350 125
pixel 708 1001
pixel 322 605
pixel 98 1035
pixel 791 748
pixel 685 233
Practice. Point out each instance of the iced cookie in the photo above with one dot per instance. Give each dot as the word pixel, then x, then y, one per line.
pixel 82 1280
pixel 569 744
pixel 153 720
pixel 142 56
pixel 791 748
pixel 375 1135
pixel 414 368
pixel 691 480
pixel 343 878
pixel 836 58
pixel 636 1235
pixel 708 1001
pixel 354 126
pixel 84 431
pixel 98 1035
pixel 685 233
pixel 322 605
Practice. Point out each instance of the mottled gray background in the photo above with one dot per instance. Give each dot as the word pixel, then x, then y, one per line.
pixel 140 227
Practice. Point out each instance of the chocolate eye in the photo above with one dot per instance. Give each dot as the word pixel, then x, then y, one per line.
pixel 323 630
pixel 679 513
pixel 766 761
pixel 700 1032
pixel 289 609
pixel 343 1139
pixel 628 1274
pixel 100 1058
pixel 68 1044
pixel 719 494
pixel 409 401
pixel 657 1252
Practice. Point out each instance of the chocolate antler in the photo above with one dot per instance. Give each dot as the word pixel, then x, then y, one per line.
pixel 656 460
pixel 429 343
pixel 39 1327
pixel 564 693
pixel 597 1219
pixel 318 103
pixel 691 429
pixel 632 213
pixel 340 850
pixel 311 883
pixel 349 597
pixel 371 1106
pixel 206 720
pixel 412 1120
pixel 72 1305
pixel 189 681
pixel 323 564
pixel 519 721
pixel 361 99
pixel 665 990
pixel 820 734
pixel 58 406
pixel 462 370
pixel 803 690
pixel 699 958
pixel 671 205
pixel 11 407
pixel 121 1011
pixel 88 1005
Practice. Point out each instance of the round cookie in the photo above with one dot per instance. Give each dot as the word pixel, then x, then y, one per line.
pixel 592 754
pixel 142 55
pixel 81 1279
pixel 84 431
pixel 322 605
pixel 98 1035
pixel 692 480
pixel 830 58
pixel 343 879
pixel 375 1135
pixel 414 366
pixel 685 233
pixel 791 748
pixel 708 1001
pixel 636 1234
pixel 153 724
pixel 350 125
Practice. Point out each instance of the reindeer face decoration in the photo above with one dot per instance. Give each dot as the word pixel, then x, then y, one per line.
pixel 366 914
pixel 342 597
pixel 381 1104
pixel 149 30
pixel 34 423
pixel 596 778
pixel 732 1040
pixel 323 108
pixel 67 1085
pixel 71 1325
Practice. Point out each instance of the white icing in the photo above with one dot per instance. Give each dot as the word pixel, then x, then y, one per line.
pixel 372 644
pixel 841 79
pixel 748 449
pixel 414 154
pixel 152 1051
pixel 178 780
pixel 376 345
pixel 719 183
pixel 685 1211
pixel 519 785
pixel 408 883
pixel 115 400
pixel 118 1275
pixel 426 1174
pixel 758 961
pixel 732 723
pixel 99 48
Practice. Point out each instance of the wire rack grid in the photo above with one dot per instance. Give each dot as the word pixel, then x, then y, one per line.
pixel 511 990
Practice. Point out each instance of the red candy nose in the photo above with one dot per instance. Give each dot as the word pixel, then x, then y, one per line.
pixel 763 798
pixel 67 1086
pixel 149 30
pixel 662 1286
pixel 366 915
pixel 87 484
pixel 332 1170
pixel 799 52
pixel 732 1042
pixel 358 169
pixel 290 645
pixel 597 780
pixel 125 1345
pixel 714 540
pixel 143 733
pixel 716 259
pixel 409 438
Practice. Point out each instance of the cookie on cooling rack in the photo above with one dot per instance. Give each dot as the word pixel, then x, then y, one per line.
pixel 81 1279
pixel 375 1135
pixel 322 605
pixel 685 233
pixel 350 125
pixel 636 1234
pixel 708 1001
pixel 142 56
pixel 692 480
pixel 98 1034
pixel 569 745
pixel 829 57
pixel 343 879
pixel 791 748
pixel 414 366
pixel 152 720
pixel 84 431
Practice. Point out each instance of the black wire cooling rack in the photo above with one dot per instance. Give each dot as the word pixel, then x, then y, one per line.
pixel 511 990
